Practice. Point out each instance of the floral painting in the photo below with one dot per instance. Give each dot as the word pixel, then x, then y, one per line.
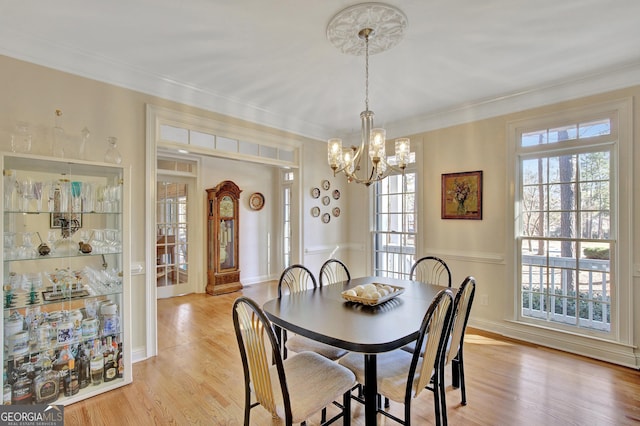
pixel 462 195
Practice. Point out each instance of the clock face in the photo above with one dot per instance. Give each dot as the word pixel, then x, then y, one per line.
pixel 226 206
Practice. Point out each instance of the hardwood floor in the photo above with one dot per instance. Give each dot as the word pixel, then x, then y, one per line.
pixel 197 379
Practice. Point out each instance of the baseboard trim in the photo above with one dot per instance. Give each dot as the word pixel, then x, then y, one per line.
pixel 612 352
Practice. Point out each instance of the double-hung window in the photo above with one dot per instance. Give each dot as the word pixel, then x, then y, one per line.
pixel 567 226
pixel 394 235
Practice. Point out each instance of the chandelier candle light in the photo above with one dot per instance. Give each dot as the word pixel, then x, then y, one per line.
pixel 367 28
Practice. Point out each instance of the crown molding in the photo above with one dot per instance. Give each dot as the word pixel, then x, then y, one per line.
pixel 89 65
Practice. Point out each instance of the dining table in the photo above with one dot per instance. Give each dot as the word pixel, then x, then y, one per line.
pixel 322 314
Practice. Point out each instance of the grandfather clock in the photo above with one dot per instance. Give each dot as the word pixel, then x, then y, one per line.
pixel 223 273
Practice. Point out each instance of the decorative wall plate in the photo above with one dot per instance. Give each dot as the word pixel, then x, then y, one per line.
pixel 256 201
pixel 336 194
pixel 336 211
pixel 326 200
pixel 326 218
pixel 315 192
pixel 315 211
pixel 326 185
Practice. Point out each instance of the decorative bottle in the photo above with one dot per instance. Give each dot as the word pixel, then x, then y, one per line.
pixel 112 155
pixel 22 390
pixel 84 368
pixel 120 362
pixel 46 384
pixel 97 364
pixel 6 389
pixel 110 368
pixel 71 382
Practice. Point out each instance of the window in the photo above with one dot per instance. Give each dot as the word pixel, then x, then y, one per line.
pixel 395 230
pixel 172 235
pixel 287 178
pixel 566 230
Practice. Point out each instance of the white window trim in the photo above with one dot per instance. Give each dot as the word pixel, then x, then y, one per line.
pixel 415 167
pixel 618 347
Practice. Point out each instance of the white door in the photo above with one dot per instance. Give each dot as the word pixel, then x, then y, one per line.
pixel 173 235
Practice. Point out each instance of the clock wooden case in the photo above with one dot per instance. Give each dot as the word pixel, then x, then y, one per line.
pixel 223 224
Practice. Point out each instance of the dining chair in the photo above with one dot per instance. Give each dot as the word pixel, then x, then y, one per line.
pixel 333 271
pixel 454 348
pixel 401 376
pixel 454 355
pixel 432 270
pixel 294 279
pixel 291 389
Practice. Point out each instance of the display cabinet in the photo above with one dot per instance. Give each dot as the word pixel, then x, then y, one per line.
pixel 223 224
pixel 66 279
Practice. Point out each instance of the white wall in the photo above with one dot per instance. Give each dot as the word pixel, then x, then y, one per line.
pixel 257 233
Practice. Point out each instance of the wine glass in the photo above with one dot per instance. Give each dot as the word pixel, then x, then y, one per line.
pixel 76 200
pixel 24 191
pixel 87 197
pixel 37 194
pixel 9 245
pixel 27 249
pixel 9 181
pixel 28 193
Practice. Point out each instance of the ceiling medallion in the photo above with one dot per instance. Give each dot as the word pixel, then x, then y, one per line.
pixel 387 22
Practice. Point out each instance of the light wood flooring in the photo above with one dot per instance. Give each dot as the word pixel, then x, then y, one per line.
pixel 197 379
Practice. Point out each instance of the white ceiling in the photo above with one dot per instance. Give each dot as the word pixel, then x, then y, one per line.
pixel 269 61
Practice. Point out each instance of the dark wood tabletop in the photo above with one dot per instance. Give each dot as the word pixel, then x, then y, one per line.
pixel 322 314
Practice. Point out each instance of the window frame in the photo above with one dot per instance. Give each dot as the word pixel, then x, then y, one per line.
pixel 621 200
pixel 375 232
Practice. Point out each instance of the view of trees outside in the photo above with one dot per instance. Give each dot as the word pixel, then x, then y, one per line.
pixel 565 223
pixel 395 225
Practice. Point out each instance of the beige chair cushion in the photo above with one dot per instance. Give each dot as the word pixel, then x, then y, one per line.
pixel 299 344
pixel 392 368
pixel 313 381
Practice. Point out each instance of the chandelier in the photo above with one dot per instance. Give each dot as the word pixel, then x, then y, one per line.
pixel 367 28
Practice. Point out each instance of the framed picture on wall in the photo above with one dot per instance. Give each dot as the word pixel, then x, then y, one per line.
pixel 462 195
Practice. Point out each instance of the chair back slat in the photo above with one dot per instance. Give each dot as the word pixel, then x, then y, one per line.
pixel 431 270
pixel 435 329
pixel 296 278
pixel 333 271
pixel 462 307
pixel 253 333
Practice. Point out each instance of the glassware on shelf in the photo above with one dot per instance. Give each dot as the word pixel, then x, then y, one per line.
pixel 9 182
pixel 10 248
pixel 21 139
pixel 85 134
pixel 76 199
pixel 37 194
pixel 65 245
pixel 88 197
pixel 63 187
pixel 23 187
pixel 27 249
pixel 52 237
pixel 59 137
pixel 52 187
pixel 112 155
